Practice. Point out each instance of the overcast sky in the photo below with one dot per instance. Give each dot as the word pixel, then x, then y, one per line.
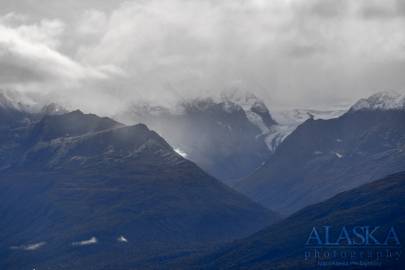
pixel 100 55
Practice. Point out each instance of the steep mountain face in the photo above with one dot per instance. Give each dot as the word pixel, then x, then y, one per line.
pixel 18 111
pixel 14 123
pixel 285 245
pixel 225 138
pixel 324 157
pixel 228 137
pixel 83 192
pixel 19 115
pixel 255 109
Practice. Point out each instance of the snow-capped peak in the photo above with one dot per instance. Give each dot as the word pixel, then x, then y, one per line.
pixel 255 109
pixel 387 100
pixel 244 99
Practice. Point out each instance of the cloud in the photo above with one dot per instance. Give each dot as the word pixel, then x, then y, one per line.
pixel 324 8
pixel 92 22
pixel 290 52
pixel 284 49
pixel 13 18
pixel 389 9
pixel 29 54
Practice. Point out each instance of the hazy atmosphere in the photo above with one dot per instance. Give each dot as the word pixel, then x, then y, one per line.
pixel 202 134
pixel 292 53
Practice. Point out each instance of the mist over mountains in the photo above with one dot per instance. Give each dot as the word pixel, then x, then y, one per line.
pixel 229 137
pixel 78 187
pixel 178 134
pixel 330 156
pixel 71 180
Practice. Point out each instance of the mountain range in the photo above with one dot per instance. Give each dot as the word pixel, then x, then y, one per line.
pixel 331 156
pixel 229 137
pixel 226 137
pixel 76 187
pixel 80 191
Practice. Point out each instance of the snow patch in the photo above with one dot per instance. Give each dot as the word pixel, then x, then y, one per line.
pixel 295 117
pixel 386 100
pixel 276 135
pixel 244 99
pixel 91 241
pixel 338 155
pixel 256 120
pixel 122 239
pixel 289 120
pixel 29 247
pixel 180 152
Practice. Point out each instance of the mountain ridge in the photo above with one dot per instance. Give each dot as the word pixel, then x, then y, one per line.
pixel 282 245
pixel 329 156
pixel 217 135
pixel 78 182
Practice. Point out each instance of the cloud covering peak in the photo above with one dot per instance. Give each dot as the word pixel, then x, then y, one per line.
pixel 291 52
